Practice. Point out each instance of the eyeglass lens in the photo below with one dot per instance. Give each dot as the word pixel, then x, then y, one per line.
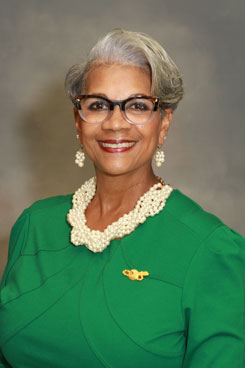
pixel 96 110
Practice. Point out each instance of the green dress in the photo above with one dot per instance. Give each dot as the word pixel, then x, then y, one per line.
pixel 65 307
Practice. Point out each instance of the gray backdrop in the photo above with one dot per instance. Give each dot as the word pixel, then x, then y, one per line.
pixel 204 149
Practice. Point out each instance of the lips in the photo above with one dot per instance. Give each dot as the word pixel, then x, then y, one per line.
pixel 116 146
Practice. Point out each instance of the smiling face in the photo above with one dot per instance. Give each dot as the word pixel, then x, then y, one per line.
pixel 115 146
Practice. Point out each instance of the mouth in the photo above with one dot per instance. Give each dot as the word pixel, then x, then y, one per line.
pixel 116 146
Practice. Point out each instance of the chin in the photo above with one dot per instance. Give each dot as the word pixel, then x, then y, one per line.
pixel 114 171
pixel 119 168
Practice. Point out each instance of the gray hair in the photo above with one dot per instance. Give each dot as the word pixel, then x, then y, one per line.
pixel 136 49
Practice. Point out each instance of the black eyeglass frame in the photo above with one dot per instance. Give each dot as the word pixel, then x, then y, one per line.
pixel 120 103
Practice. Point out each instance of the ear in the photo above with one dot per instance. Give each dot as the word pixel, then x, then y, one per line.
pixel 78 123
pixel 165 124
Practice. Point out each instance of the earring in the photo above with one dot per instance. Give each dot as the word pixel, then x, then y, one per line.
pixel 159 156
pixel 80 156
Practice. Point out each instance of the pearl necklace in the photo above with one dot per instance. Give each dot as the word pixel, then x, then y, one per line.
pixel 149 204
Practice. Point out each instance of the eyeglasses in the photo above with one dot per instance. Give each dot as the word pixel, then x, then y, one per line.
pixel 97 109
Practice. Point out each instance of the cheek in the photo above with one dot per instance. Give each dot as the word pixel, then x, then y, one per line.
pixel 88 133
pixel 91 147
pixel 151 135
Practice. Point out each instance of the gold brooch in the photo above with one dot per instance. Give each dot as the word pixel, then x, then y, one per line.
pixel 135 274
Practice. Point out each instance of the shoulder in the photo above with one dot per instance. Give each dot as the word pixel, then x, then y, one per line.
pixel 190 215
pixel 49 204
pixel 40 232
pixel 205 226
pixel 43 224
pixel 208 233
pixel 40 227
pixel 217 263
pixel 184 231
pixel 52 207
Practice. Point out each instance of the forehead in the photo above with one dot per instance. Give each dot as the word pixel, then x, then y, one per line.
pixel 118 81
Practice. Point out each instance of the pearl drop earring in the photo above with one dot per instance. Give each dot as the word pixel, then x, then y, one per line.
pixel 159 157
pixel 80 156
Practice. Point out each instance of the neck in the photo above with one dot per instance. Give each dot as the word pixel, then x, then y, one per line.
pixel 122 191
pixel 82 232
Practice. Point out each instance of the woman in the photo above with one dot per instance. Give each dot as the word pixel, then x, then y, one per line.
pixel 132 273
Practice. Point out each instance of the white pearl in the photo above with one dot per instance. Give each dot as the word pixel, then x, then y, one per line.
pixel 149 204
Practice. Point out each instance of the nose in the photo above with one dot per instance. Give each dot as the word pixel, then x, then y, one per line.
pixel 116 121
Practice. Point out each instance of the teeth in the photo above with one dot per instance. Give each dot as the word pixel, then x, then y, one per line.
pixel 117 145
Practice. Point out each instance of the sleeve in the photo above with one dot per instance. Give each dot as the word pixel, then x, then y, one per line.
pixel 213 303
pixel 17 240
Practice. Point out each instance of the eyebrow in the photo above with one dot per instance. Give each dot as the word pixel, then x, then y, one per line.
pixel 132 95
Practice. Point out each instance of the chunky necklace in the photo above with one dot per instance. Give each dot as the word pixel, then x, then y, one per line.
pixel 149 204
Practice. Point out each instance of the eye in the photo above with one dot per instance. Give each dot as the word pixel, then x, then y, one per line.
pixel 97 106
pixel 94 105
pixel 139 106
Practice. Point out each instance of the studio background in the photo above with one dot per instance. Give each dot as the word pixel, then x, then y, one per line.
pixel 204 150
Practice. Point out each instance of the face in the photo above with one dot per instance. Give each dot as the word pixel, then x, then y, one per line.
pixel 100 140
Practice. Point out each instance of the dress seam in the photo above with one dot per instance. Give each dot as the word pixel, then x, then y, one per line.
pixel 129 264
pixel 93 349
pixel 202 242
pixel 35 288
pixel 22 246
pixel 43 250
pixel 197 235
pixel 35 318
pixel 171 356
